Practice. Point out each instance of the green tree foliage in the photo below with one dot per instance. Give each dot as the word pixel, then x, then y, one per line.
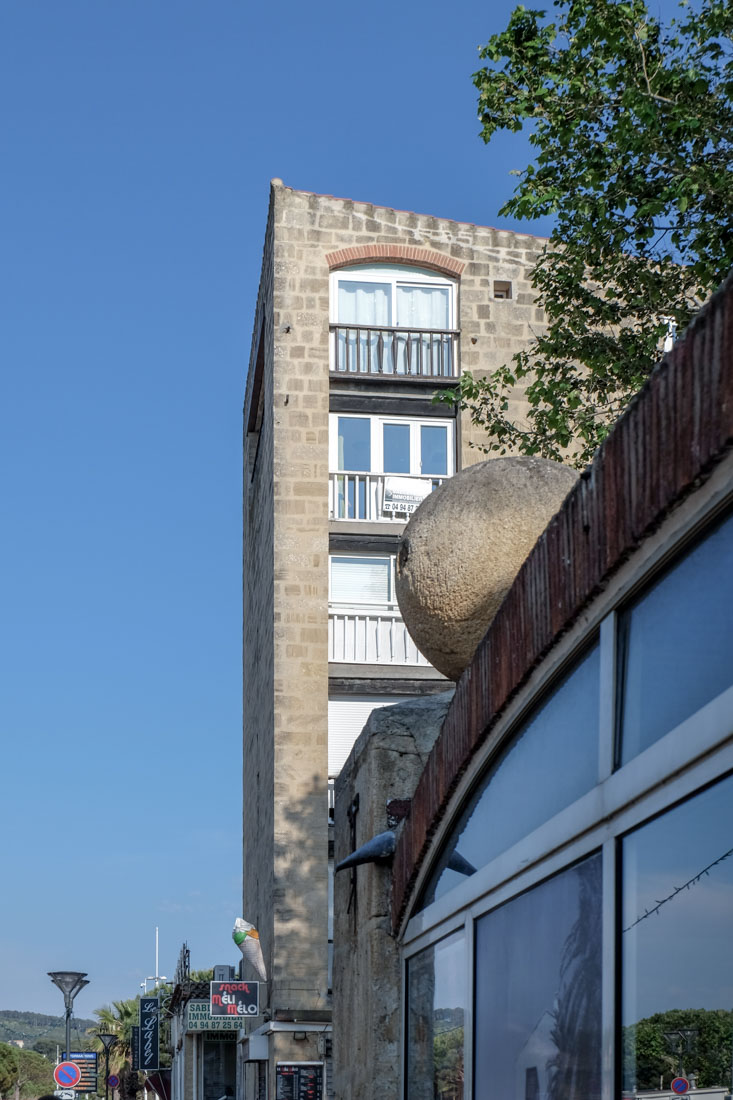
pixel 130 1084
pixel 649 1054
pixel 35 1075
pixel 24 1073
pixel 448 1062
pixel 48 1048
pixel 34 1026
pixel 632 126
pixel 118 1019
pixel 8 1068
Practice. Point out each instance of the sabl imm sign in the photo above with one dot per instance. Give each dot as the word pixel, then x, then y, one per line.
pixel 234 999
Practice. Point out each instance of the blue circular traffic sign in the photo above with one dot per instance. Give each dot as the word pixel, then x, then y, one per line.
pixel 113 1081
pixel 67 1075
pixel 680 1085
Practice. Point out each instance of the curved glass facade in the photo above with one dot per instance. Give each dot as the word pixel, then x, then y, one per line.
pixel 550 762
pixel 595 959
pixel 676 643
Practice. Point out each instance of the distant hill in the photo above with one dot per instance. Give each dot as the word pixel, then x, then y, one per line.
pixel 32 1027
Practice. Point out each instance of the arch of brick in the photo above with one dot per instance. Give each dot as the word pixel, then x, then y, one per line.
pixel 396 253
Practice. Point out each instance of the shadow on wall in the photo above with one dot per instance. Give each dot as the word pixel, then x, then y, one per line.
pixel 300 889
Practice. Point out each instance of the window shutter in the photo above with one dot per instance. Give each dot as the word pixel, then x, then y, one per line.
pixel 360 580
pixel 346 720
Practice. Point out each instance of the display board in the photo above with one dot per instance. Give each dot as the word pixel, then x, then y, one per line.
pixel 299 1081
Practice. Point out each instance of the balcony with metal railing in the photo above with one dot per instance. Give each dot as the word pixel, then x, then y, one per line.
pixel 374 636
pixel 377 497
pixel 399 352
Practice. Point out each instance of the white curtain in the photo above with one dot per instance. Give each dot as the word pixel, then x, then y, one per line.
pixel 363 304
pixel 423 307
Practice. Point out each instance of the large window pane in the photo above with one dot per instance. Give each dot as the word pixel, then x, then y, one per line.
pixel 551 763
pixel 423 307
pixel 433 450
pixel 538 992
pixel 677 945
pixel 354 443
pixel 436 1002
pixel 396 448
pixel 361 580
pixel 677 643
pixel 365 304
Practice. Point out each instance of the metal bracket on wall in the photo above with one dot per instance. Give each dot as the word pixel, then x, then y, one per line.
pixel 351 814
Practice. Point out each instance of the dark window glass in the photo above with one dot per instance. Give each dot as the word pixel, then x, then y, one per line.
pixel 677 933
pixel 396 446
pixel 220 1069
pixel 433 449
pixel 436 1003
pixel 677 643
pixel 354 443
pixel 538 992
pixel 547 766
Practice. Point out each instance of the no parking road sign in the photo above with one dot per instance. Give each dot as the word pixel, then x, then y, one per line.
pixel 67 1075
pixel 680 1085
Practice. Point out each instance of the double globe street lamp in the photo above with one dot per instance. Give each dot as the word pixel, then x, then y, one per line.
pixel 70 982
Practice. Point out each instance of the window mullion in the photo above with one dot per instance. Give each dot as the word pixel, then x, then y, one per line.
pixel 415 450
pixel 468 1013
pixel 609 977
pixel 607 698
pixel 377 437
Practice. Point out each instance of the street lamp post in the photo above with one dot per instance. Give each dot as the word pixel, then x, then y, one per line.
pixel 70 982
pixel 681 1039
pixel 108 1041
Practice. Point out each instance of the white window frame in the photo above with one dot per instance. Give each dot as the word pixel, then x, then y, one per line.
pixel 388 605
pixel 395 275
pixel 377 437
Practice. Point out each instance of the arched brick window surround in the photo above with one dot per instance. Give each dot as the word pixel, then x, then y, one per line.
pixel 395 253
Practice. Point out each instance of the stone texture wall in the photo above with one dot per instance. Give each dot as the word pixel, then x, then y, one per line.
pixel 258 641
pixel 491 329
pixel 300 435
pixel 286 533
pixel 385 763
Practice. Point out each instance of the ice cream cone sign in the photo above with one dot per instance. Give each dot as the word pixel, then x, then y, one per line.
pixel 247 939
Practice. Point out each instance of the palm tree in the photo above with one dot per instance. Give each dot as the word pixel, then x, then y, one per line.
pixel 118 1019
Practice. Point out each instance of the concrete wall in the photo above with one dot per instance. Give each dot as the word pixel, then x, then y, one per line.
pixel 385 763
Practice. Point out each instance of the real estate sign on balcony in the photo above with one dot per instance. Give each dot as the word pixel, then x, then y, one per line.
pixel 405 494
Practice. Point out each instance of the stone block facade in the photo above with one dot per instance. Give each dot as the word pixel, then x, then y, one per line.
pixel 286 549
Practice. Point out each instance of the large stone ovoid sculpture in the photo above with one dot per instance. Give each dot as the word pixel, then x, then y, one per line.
pixel 464 546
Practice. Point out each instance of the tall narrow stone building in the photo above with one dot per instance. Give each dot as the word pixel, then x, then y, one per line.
pixel 363 314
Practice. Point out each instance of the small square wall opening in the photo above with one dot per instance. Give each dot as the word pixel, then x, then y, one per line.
pixel 502 289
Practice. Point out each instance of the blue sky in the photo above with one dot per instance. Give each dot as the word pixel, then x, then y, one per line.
pixel 137 141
